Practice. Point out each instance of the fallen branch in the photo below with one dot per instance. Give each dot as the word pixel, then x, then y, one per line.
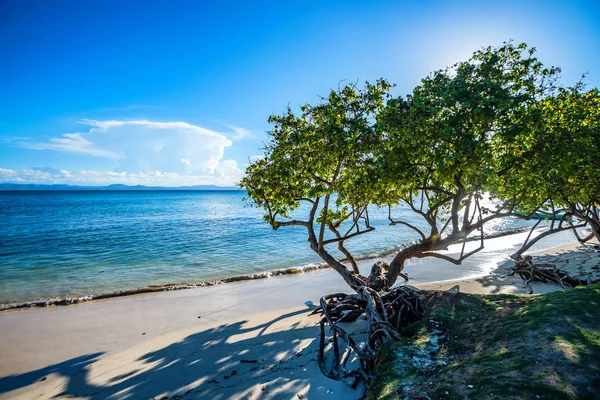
pixel 530 272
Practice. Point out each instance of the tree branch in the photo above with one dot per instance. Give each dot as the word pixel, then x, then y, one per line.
pixel 326 242
pixel 343 249
pixel 437 190
pixel 579 238
pixel 392 222
pixel 355 219
pixel 524 248
pixel 450 259
pixel 427 218
pixel 291 223
pixel 324 220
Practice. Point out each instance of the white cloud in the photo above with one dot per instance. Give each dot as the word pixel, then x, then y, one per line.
pixel 7 173
pixel 73 143
pixel 141 152
pixel 102 124
pixel 226 173
pixel 240 133
pixel 25 176
pixel 228 169
pixel 145 146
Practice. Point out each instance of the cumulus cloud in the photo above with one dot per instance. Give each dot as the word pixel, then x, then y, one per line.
pixel 144 151
pixel 25 176
pixel 144 146
pixel 228 169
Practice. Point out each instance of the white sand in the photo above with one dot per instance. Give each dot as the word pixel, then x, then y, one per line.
pixel 572 257
pixel 155 346
pixel 201 362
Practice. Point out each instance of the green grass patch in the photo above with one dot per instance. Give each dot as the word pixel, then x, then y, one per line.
pixel 498 347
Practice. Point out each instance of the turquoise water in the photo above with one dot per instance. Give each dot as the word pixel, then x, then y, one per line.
pixel 63 244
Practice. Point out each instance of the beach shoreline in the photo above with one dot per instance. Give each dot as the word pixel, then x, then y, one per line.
pixel 369 258
pixel 245 340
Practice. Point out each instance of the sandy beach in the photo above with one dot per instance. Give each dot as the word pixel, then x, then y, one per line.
pixel 237 341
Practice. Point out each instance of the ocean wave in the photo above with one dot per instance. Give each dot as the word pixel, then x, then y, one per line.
pixel 236 278
pixel 165 287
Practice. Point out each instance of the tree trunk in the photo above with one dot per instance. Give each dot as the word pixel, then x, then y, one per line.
pixel 418 249
pixel 595 225
pixel 353 280
pixel 397 264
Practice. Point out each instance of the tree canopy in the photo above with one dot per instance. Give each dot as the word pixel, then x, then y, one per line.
pixel 554 160
pixel 495 123
pixel 321 153
pixel 442 143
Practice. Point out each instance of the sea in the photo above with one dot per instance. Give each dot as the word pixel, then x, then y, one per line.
pixel 58 244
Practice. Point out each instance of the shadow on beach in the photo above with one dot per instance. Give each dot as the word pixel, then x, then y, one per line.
pixel 582 259
pixel 66 368
pixel 248 358
pixel 275 359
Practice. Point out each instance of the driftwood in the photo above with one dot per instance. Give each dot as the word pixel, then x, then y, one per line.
pixel 530 272
pixel 386 312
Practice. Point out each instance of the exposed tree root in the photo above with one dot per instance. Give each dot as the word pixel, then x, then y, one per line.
pixel 530 272
pixel 386 312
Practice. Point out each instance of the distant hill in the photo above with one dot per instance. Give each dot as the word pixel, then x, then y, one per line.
pixel 28 186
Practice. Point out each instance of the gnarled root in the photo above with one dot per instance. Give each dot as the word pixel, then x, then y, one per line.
pixel 385 313
pixel 530 272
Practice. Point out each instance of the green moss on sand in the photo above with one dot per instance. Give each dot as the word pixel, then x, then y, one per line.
pixel 497 347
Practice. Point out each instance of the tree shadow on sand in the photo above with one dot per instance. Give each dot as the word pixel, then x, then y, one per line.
pixel 274 359
pixel 66 368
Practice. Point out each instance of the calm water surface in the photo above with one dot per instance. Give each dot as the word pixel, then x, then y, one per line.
pixel 61 244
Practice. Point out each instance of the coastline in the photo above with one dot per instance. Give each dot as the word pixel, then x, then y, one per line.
pixel 240 341
pixel 152 288
pixel 162 288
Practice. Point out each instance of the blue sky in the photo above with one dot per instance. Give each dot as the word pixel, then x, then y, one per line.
pixel 178 92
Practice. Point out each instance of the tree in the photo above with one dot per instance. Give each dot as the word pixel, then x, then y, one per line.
pixel 556 162
pixel 433 152
pixel 571 153
pixel 320 158
pixel 438 155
